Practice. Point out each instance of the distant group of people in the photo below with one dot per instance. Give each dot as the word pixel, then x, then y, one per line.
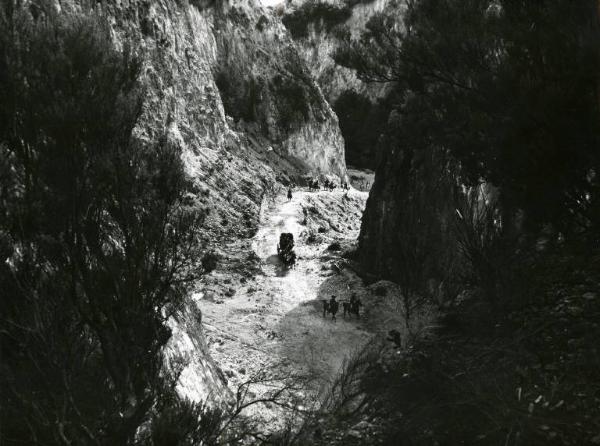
pixel 364 184
pixel 330 185
pixel 350 307
pixel 313 184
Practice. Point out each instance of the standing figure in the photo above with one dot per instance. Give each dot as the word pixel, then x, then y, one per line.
pixel 333 308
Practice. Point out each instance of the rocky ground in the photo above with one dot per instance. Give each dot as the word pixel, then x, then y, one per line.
pixel 264 324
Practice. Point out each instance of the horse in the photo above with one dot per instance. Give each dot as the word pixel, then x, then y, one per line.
pixel 352 307
pixel 329 308
pixel 313 184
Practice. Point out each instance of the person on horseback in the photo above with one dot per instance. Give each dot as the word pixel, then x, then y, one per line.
pixel 352 306
pixel 333 307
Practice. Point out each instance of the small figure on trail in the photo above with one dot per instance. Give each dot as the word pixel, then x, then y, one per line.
pixel 289 194
pixel 333 307
pixel 326 184
pixel 394 336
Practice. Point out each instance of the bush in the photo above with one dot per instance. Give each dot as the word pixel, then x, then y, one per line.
pixel 492 255
pixel 184 423
pixel 381 291
pixel 352 3
pixel 325 16
pixel 335 246
pixel 96 243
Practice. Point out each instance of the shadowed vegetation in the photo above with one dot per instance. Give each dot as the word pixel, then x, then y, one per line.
pixel 322 16
pixel 488 163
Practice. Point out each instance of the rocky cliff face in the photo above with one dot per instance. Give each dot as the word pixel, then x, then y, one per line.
pixel 227 86
pixel 269 91
pixel 319 42
pixel 377 233
pixel 320 27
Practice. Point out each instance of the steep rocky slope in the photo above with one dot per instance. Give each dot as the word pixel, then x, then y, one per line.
pixel 324 28
pixel 267 88
pixel 321 37
pixel 190 51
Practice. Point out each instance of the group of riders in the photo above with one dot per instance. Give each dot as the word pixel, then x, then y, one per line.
pixel 350 307
pixel 314 185
pixel 285 247
pixel 330 185
pixel 285 251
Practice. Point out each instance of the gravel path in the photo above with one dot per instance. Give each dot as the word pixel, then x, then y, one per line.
pixel 273 322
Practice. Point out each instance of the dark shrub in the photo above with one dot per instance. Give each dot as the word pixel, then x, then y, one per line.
pixel 381 291
pixel 210 260
pixel 323 15
pixel 335 246
pixel 96 243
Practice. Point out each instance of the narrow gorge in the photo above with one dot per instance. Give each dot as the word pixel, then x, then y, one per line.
pixel 299 222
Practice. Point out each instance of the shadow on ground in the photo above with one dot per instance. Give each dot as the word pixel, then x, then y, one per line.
pixel 318 345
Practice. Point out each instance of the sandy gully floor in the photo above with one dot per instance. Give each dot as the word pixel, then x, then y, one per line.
pixel 270 322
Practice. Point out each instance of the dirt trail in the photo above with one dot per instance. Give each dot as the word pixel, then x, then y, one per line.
pixel 273 320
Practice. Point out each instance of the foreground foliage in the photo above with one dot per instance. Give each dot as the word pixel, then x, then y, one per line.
pixel 507 88
pixel 315 13
pixel 487 196
pixel 527 378
pixel 96 247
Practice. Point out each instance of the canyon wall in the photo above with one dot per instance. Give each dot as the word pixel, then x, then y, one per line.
pixel 225 84
pixel 320 28
pixel 320 41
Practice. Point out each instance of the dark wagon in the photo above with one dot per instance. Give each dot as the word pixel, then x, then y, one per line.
pixel 285 249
